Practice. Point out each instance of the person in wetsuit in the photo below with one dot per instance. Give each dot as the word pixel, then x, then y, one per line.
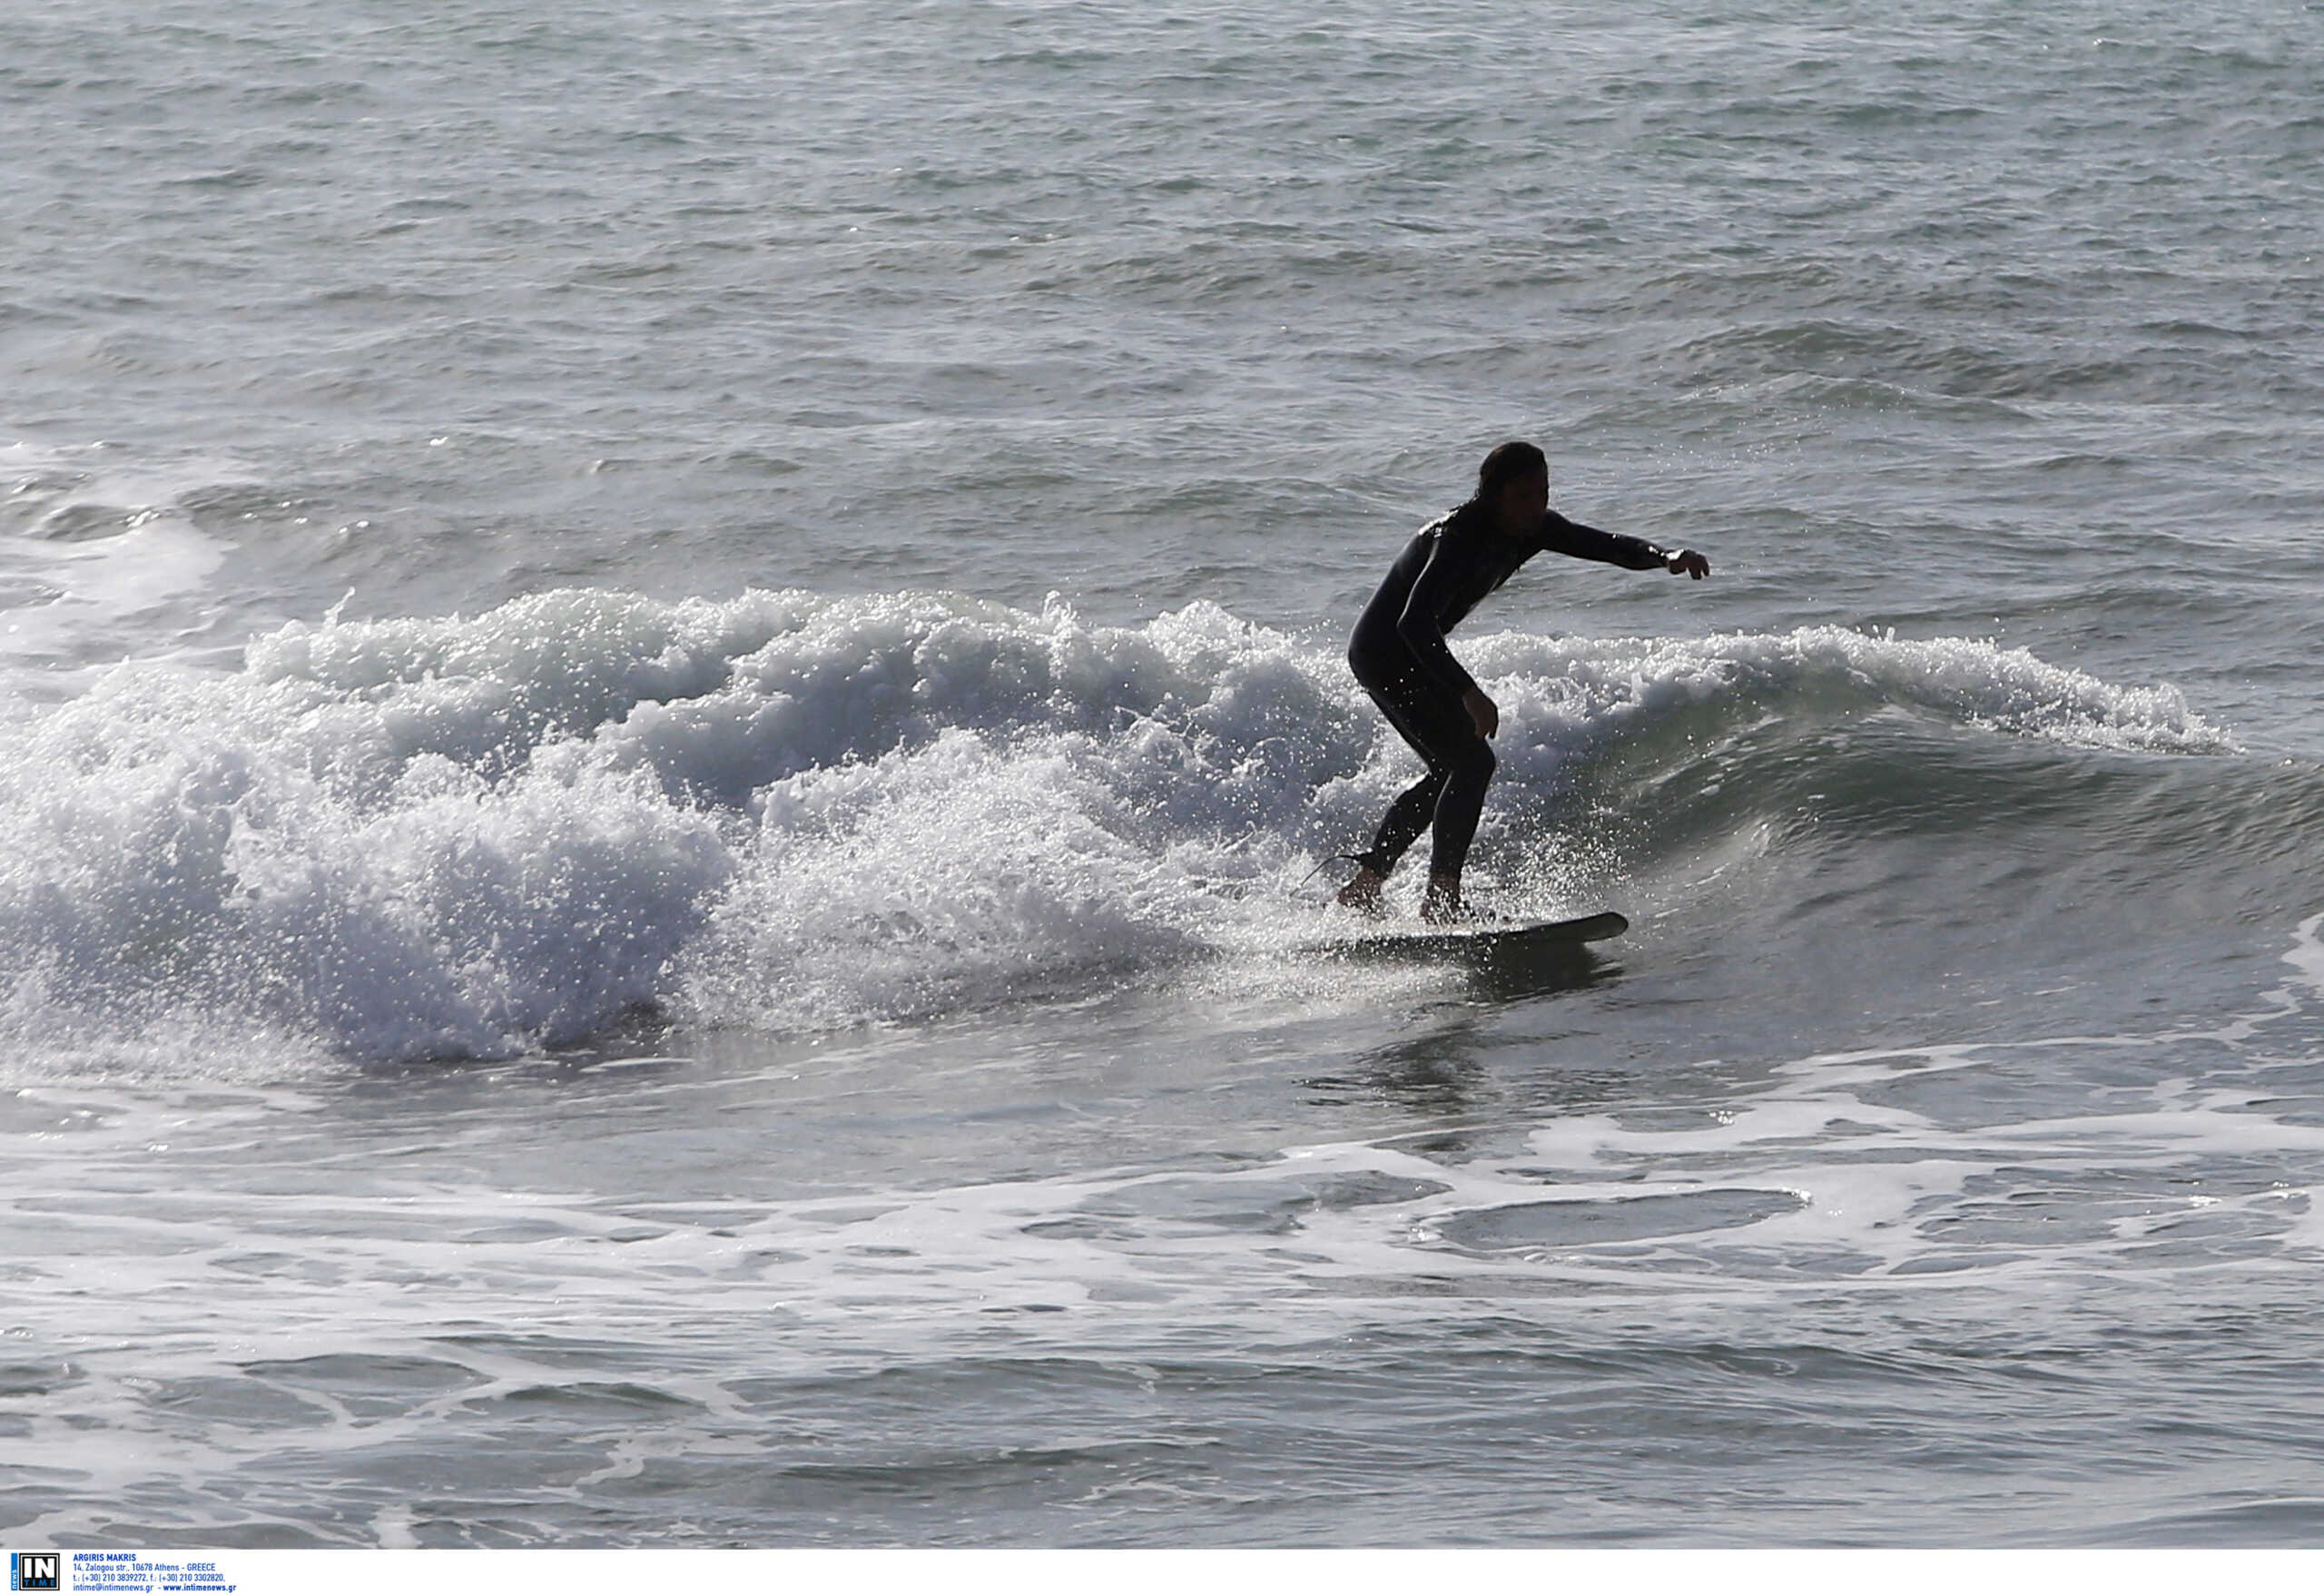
pixel 1399 654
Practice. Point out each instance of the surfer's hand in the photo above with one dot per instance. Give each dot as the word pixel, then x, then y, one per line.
pixel 1482 710
pixel 1686 562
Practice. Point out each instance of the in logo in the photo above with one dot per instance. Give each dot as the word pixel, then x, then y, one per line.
pixel 36 1570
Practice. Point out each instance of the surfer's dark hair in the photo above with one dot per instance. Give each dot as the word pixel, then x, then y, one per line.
pixel 1508 463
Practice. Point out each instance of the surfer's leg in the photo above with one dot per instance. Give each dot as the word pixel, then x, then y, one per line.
pixel 1406 710
pixel 1469 766
pixel 1469 772
pixel 1446 802
pixel 1407 818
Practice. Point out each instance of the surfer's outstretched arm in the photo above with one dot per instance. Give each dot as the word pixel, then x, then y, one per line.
pixel 1617 548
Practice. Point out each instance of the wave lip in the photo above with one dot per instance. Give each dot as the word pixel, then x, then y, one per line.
pixel 1619 683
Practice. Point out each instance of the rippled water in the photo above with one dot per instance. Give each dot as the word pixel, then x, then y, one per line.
pixel 674 686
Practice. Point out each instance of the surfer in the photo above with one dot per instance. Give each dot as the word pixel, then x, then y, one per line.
pixel 1399 654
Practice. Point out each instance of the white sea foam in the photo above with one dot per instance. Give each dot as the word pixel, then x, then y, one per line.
pixel 473 836
pixel 1820 1182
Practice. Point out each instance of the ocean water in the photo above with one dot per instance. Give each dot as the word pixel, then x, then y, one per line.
pixel 672 691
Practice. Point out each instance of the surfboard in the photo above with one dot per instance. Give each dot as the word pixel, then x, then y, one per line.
pixel 1494 943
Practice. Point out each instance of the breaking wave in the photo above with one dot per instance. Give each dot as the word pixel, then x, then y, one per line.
pixel 472 837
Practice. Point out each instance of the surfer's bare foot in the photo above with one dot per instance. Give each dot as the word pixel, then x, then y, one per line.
pixel 1443 905
pixel 1362 893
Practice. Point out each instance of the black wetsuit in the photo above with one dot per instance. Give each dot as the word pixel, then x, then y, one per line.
pixel 1399 653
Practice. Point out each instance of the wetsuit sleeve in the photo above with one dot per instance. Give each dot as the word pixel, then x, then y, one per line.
pixel 1417 625
pixel 1588 543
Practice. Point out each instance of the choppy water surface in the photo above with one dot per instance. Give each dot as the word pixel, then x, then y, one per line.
pixel 673 692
